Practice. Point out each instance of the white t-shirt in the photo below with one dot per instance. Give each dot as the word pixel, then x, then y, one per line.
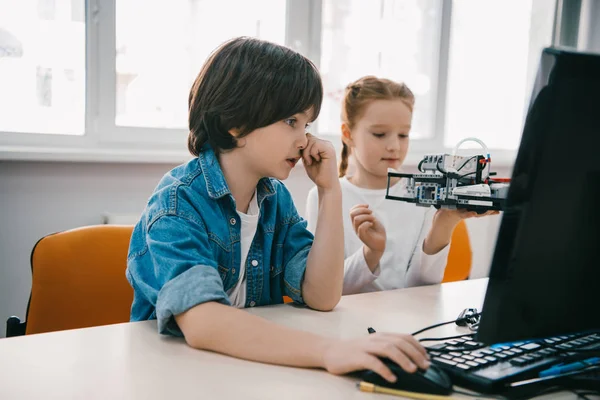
pixel 237 294
pixel 403 264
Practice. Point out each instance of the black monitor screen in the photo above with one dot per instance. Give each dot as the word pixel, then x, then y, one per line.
pixel 545 273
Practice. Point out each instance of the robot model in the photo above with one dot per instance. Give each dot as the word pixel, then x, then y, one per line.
pixel 452 181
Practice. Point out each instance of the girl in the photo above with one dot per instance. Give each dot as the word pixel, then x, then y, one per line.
pixel 376 121
pixel 219 234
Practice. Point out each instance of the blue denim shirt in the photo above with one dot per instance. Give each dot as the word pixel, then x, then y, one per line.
pixel 185 250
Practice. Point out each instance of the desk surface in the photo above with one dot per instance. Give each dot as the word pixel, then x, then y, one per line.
pixel 132 361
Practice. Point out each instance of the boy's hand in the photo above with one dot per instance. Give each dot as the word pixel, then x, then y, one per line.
pixel 345 356
pixel 320 162
pixel 368 228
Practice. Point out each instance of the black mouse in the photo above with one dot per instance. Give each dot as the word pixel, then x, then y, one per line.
pixel 432 380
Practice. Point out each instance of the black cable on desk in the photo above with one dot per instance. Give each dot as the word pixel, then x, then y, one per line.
pixel 446 323
pixel 588 393
pixel 439 339
pixel 480 395
pixel 580 395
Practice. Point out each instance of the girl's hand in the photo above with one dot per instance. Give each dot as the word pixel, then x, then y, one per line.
pixel 453 217
pixel 368 228
pixel 320 162
pixel 443 224
pixel 345 356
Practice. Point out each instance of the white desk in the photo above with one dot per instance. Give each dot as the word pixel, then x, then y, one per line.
pixel 132 361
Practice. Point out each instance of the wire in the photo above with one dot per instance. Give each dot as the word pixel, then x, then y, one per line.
pixel 439 339
pixel 588 393
pixel 467 174
pixel 479 395
pixel 558 349
pixel 465 163
pixel 478 141
pixel 458 350
pixel 427 328
pixel 470 139
pixel 432 327
pixel 580 395
pixel 438 167
pixel 532 395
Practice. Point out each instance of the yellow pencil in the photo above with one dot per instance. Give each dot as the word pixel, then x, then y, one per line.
pixel 369 387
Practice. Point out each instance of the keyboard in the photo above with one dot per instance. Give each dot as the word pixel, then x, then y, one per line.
pixel 488 369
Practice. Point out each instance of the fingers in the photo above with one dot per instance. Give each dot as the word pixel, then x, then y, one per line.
pixel 394 353
pixel 360 220
pixel 360 209
pixel 316 150
pixel 490 212
pixel 362 229
pixel 410 339
pixel 463 213
pixel 474 214
pixel 306 153
pixel 376 365
pixel 411 350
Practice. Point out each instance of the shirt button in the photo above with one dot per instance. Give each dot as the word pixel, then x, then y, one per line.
pixel 232 221
pixel 252 303
pixel 233 271
pixel 254 263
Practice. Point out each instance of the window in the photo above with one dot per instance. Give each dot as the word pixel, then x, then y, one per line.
pixel 44 87
pixel 46 9
pixel 158 61
pixel 39 41
pixel 395 39
pixel 482 93
pixel 492 65
pixel 125 89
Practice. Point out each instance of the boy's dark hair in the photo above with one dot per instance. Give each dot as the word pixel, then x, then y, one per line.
pixel 247 84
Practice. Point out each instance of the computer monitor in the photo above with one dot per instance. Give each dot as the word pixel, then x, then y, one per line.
pixel 545 273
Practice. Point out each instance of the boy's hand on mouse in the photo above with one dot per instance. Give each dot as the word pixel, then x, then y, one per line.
pixel 345 356
pixel 370 231
pixel 320 162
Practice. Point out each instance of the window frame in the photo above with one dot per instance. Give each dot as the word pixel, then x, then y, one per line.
pixel 103 140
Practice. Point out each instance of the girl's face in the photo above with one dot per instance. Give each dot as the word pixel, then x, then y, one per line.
pixel 275 149
pixel 379 139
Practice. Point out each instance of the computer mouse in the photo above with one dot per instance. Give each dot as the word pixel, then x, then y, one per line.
pixel 432 380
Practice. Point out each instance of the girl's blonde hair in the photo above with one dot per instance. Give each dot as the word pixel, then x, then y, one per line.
pixel 359 94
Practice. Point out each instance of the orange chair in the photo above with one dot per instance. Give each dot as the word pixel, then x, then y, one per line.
pixel 78 281
pixel 460 256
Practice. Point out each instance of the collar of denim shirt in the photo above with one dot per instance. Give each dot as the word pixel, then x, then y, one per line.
pixel 215 180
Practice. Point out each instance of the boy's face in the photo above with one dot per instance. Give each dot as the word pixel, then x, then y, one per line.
pixel 379 139
pixel 274 150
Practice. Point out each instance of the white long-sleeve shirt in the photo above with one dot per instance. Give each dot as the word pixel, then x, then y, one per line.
pixel 403 264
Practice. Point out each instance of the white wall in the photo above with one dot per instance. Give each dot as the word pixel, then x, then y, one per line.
pixel 38 198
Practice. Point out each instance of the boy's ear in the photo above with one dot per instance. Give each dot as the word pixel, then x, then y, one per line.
pixel 347 135
pixel 235 132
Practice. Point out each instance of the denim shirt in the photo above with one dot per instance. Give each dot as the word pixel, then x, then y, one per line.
pixel 185 250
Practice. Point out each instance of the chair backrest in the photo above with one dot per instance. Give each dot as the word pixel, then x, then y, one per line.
pixel 78 279
pixel 460 256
